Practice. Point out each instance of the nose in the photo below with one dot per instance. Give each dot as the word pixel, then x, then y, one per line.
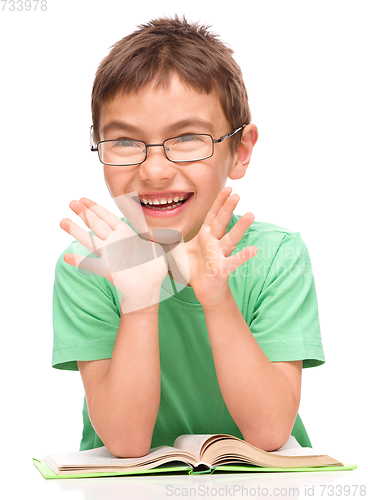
pixel 156 167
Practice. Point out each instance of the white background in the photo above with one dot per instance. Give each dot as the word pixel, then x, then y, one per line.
pixel 305 68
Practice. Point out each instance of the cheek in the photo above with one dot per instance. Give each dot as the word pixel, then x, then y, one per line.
pixel 109 180
pixel 215 180
pixel 115 181
pixel 221 167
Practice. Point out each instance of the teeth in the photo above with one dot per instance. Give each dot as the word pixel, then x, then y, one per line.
pixel 163 201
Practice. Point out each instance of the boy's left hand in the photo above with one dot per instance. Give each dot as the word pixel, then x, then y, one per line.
pixel 208 253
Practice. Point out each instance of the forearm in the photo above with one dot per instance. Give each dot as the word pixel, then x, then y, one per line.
pixel 258 395
pixel 125 404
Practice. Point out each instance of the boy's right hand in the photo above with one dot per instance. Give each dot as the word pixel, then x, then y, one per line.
pixel 135 266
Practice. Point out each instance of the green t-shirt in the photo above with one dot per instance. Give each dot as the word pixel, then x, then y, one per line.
pixel 275 292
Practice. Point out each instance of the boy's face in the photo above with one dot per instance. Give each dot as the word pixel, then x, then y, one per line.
pixel 153 115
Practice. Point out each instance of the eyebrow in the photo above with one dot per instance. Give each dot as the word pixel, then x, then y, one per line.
pixel 190 122
pixel 118 125
pixel 171 129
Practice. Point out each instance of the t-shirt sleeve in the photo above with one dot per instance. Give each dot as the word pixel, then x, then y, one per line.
pixel 86 315
pixel 285 319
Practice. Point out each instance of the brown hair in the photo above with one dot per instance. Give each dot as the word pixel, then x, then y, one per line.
pixel 163 46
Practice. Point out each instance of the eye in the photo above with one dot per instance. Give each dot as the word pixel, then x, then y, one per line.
pixel 188 138
pixel 125 143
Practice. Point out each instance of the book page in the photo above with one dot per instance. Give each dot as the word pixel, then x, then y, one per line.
pixel 293 449
pixel 102 456
pixel 192 443
pixel 291 443
pixel 295 452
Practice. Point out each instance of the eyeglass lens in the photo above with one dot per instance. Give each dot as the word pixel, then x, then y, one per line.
pixel 184 148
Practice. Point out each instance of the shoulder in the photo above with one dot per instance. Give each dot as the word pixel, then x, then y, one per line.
pixel 86 314
pixel 281 252
pixel 269 238
pixel 259 227
pixel 76 282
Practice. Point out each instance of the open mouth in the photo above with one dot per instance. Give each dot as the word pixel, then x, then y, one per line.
pixel 164 203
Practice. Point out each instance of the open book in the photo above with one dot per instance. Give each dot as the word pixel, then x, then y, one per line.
pixel 192 453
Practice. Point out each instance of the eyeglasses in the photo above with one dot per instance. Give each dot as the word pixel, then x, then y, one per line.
pixel 181 149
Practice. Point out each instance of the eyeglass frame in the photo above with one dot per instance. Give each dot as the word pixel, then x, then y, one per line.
pixel 214 141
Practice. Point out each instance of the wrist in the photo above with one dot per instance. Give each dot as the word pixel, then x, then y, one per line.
pixel 148 301
pixel 134 309
pixel 223 298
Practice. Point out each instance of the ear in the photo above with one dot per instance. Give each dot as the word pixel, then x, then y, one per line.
pixel 244 152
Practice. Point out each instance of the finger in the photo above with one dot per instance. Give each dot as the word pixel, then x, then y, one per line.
pixel 233 262
pixel 236 233
pixel 222 219
pixel 86 239
pixel 93 221
pixel 111 219
pixel 90 264
pixel 217 204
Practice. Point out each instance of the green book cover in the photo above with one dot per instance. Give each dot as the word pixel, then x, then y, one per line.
pixel 179 468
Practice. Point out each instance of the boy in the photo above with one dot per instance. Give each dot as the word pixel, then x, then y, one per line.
pixel 224 354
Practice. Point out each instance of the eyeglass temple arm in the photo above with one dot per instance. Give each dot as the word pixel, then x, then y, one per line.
pixel 230 134
pixel 91 143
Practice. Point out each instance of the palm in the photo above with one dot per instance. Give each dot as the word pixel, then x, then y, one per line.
pixel 209 252
pixel 136 267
